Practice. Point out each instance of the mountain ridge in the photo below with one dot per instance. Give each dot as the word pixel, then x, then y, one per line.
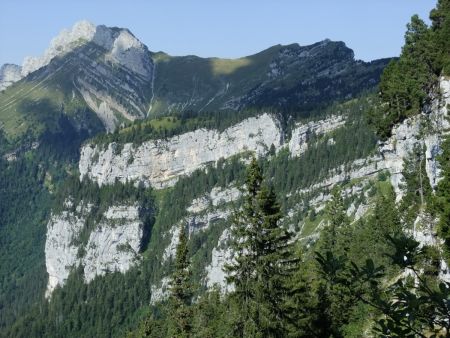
pixel 109 73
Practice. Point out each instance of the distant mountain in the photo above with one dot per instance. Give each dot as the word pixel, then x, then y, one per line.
pixel 109 72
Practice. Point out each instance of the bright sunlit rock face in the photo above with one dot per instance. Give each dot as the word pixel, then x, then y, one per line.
pixel 113 245
pixel 9 74
pixel 65 42
pixel 159 163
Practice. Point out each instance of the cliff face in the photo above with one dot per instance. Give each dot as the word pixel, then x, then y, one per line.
pixel 113 244
pixel 159 163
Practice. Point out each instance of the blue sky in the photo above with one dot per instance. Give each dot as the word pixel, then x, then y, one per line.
pixel 228 28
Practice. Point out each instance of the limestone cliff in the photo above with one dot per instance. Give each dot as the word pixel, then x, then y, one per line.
pixel 159 163
pixel 112 245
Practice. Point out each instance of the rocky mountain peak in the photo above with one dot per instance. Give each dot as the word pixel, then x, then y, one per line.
pixel 121 46
pixel 63 43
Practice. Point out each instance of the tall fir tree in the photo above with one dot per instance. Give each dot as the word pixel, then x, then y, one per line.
pixel 241 271
pixel 334 237
pixel 181 291
pixel 264 262
pixel 334 301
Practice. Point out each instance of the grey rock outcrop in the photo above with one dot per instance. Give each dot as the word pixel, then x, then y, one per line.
pixel 203 212
pixel 61 251
pixel 302 132
pixel 159 163
pixel 216 197
pixel 113 245
pixel 424 130
pixel 9 74
pixel 220 256
pixel 106 67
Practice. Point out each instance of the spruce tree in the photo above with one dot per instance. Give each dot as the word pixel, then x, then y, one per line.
pixel 333 238
pixel 181 291
pixel 417 186
pixel 264 261
pixel 241 271
pixel 334 301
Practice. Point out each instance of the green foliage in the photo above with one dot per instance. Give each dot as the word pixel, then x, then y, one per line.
pixel 214 84
pixel 264 262
pixel 441 201
pixel 440 17
pixel 180 291
pixel 417 185
pixel 406 83
pixel 337 292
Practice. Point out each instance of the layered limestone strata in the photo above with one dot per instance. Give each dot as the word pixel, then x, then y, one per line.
pixel 217 196
pixel 113 244
pixel 425 130
pixel 203 212
pixel 108 67
pixel 159 163
pixel 302 132
pixel 65 42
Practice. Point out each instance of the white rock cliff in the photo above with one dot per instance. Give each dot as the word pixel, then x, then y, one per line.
pixel 159 163
pixel 113 245
pixel 9 74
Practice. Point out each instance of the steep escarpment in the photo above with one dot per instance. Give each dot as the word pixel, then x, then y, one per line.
pixel 348 171
pixel 159 163
pixel 114 243
pixel 172 162
pixel 96 230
